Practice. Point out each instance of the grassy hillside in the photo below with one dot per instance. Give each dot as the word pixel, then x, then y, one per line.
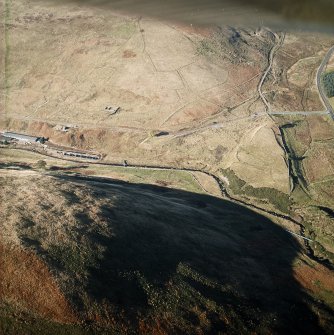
pixel 113 257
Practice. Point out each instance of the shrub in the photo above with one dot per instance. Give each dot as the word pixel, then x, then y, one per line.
pixel 239 187
pixel 40 165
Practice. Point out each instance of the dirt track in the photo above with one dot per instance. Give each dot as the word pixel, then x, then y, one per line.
pixel 278 42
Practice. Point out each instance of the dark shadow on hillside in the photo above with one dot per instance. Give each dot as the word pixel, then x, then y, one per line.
pixel 286 14
pixel 156 229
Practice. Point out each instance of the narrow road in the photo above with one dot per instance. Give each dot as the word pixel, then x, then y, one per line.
pixel 278 43
pixel 219 125
pixel 320 87
pixel 300 113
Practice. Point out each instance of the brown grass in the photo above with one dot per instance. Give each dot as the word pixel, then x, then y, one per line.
pixel 27 282
pixel 129 54
pixel 307 276
pixel 319 164
pixel 318 280
pixel 321 128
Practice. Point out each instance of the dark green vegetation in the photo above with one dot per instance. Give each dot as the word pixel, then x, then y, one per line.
pixel 145 259
pixel 15 322
pixel 269 195
pixel 237 46
pixel 295 151
pixel 328 82
pixel 312 189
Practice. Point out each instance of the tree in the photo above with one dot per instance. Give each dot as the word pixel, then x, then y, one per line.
pixel 328 82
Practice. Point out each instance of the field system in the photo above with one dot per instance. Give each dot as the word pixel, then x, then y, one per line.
pixel 176 123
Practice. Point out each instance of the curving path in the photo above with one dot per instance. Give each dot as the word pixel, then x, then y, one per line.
pixel 277 45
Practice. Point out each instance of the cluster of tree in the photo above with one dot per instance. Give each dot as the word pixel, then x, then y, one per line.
pixel 328 82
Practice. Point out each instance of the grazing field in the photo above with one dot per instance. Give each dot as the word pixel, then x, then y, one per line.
pixel 30 160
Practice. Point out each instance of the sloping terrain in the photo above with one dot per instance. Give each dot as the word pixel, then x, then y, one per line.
pixel 81 254
pixel 67 63
pixel 146 259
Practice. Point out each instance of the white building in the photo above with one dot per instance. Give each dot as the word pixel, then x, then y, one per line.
pixel 23 138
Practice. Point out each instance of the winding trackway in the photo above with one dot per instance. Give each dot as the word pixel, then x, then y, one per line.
pixel 320 87
pixel 278 43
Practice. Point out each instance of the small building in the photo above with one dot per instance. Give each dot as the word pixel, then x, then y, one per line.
pixel 112 110
pixel 23 138
pixel 80 155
